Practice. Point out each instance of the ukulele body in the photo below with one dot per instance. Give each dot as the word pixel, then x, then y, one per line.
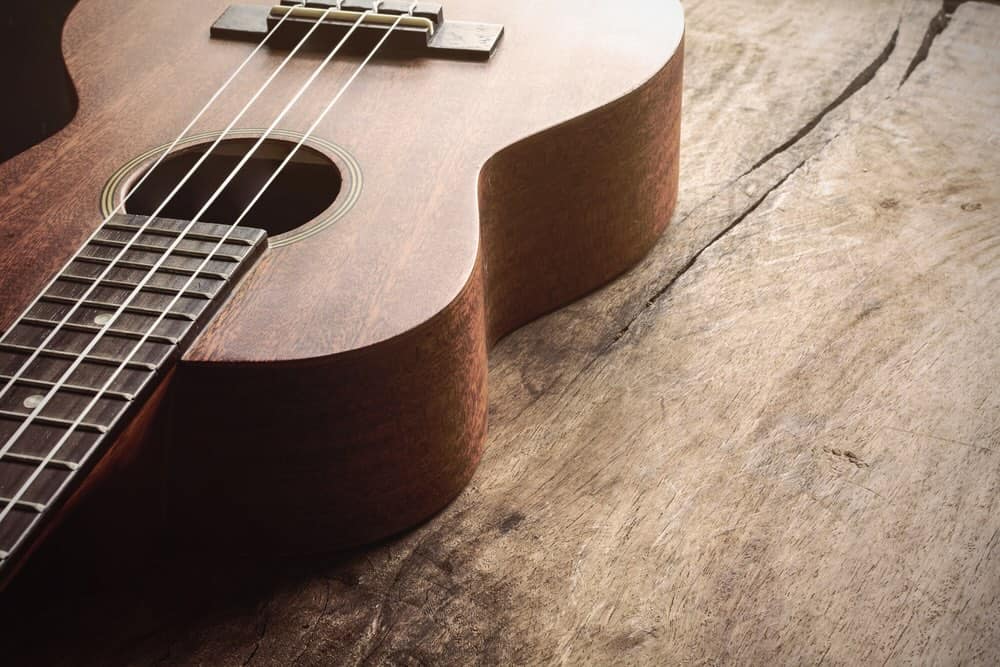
pixel 340 394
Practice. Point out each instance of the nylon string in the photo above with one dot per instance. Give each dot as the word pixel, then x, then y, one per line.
pixel 18 374
pixel 54 451
pixel 36 410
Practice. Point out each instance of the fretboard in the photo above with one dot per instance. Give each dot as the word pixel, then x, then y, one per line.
pixel 43 457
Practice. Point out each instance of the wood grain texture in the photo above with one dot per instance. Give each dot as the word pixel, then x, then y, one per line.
pixel 772 443
pixel 409 246
pixel 106 388
pixel 340 394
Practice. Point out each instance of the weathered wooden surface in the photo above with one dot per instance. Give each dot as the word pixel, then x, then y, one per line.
pixel 774 442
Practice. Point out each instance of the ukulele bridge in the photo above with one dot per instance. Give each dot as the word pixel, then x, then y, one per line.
pixel 420 33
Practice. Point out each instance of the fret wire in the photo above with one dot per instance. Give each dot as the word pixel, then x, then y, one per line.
pixel 52 421
pixel 90 358
pixel 166 268
pixel 31 525
pixel 176 243
pixel 138 310
pixel 38 508
pixel 164 252
pixel 124 284
pixel 302 89
pixel 4 554
pixel 181 252
pixel 32 522
pixel 31 458
pixel 16 501
pixel 90 328
pixel 197 236
pixel 86 410
pixel 201 112
pixel 148 222
pixel 72 388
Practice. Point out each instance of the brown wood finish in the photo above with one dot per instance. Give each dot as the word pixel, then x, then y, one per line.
pixel 773 442
pixel 113 521
pixel 96 385
pixel 340 394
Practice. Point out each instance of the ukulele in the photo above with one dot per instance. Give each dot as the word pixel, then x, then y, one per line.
pixel 258 272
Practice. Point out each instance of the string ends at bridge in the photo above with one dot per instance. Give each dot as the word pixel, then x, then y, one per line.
pixel 421 32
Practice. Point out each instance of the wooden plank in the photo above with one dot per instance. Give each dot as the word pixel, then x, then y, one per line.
pixel 773 442
pixel 790 456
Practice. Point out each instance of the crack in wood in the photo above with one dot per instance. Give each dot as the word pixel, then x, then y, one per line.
pixel 262 621
pixel 382 620
pixel 694 258
pixel 935 27
pixel 859 82
pixel 311 629
pixel 502 595
pixel 850 457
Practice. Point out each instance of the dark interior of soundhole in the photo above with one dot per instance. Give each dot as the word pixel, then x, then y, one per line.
pixel 307 185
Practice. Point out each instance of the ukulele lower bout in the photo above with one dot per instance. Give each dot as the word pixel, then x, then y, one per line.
pixel 338 393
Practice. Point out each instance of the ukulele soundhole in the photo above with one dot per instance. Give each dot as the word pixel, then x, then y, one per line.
pixel 307 186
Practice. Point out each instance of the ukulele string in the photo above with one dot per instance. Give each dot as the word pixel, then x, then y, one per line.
pixel 118 208
pixel 113 262
pixel 36 410
pixel 55 449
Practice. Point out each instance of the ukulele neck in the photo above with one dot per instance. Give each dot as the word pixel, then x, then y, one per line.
pixel 83 358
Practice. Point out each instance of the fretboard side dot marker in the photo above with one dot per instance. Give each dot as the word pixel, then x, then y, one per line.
pixel 32 401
